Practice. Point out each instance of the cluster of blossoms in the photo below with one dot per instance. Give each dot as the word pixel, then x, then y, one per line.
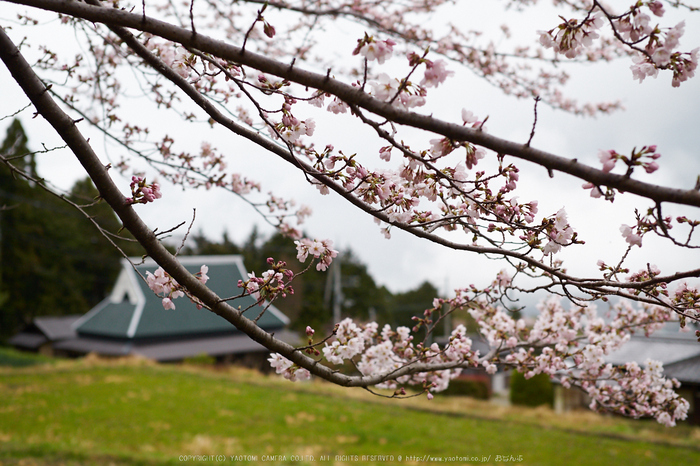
pixel 633 27
pixel 287 368
pixel 290 128
pixel 164 285
pixel 650 272
pixel 321 250
pixel 441 147
pixel 142 192
pixel 399 192
pixel 273 283
pixel 571 346
pixel 176 57
pixel 408 196
pixel 645 157
pixel 630 236
pixel 210 158
pixel 687 298
pixel 684 67
pixel 684 300
pixel 373 49
pixel 403 94
pixel 642 392
pixel 436 72
pixel 383 352
pixel 559 232
pixel 663 52
pixel 242 185
pixel 572 37
pixel 211 175
pixel 660 51
pixel 568 345
pixel 651 222
pixel 208 169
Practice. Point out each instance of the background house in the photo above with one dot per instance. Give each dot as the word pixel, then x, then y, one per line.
pixel 132 320
pixel 44 332
pixel 679 352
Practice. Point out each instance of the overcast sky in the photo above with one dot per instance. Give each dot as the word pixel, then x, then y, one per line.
pixel 655 113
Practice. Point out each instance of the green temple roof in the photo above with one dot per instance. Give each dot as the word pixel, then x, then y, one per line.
pixel 134 312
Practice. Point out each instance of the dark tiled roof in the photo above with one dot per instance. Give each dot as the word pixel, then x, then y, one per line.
pixel 28 340
pixel 57 328
pixel 105 347
pixel 666 351
pixel 43 330
pixel 218 345
pixel 687 371
pixel 679 352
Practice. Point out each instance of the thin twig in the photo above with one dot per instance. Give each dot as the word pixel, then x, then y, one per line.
pixel 534 122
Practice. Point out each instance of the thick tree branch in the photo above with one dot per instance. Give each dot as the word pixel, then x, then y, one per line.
pixel 595 286
pixel 599 286
pixel 357 97
pixel 66 128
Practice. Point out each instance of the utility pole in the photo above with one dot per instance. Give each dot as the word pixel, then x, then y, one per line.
pixel 337 293
pixel 334 286
pixel 448 318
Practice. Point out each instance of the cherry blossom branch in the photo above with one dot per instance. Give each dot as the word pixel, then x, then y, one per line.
pixel 598 286
pixel 354 95
pixel 565 344
pixel 68 131
pixel 484 61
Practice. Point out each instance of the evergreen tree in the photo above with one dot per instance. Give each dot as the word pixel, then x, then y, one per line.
pixel 15 194
pixel 52 260
pixel 97 261
pixel 203 246
pixel 412 303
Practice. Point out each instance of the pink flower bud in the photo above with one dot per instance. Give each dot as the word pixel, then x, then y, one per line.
pixel 651 167
pixel 268 29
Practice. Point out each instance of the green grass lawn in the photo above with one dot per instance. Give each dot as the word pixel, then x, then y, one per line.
pixel 130 412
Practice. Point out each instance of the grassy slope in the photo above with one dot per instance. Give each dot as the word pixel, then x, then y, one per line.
pixel 93 412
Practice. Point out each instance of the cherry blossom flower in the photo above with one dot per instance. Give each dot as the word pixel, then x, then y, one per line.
pixel 435 73
pixel 337 106
pixel 657 8
pixel 321 250
pixel 385 153
pixel 560 234
pixel 203 277
pixel 372 49
pixel 287 368
pixel 572 37
pixel 630 236
pixel 595 191
pixel 608 158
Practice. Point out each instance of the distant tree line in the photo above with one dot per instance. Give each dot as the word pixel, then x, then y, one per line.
pixel 54 262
